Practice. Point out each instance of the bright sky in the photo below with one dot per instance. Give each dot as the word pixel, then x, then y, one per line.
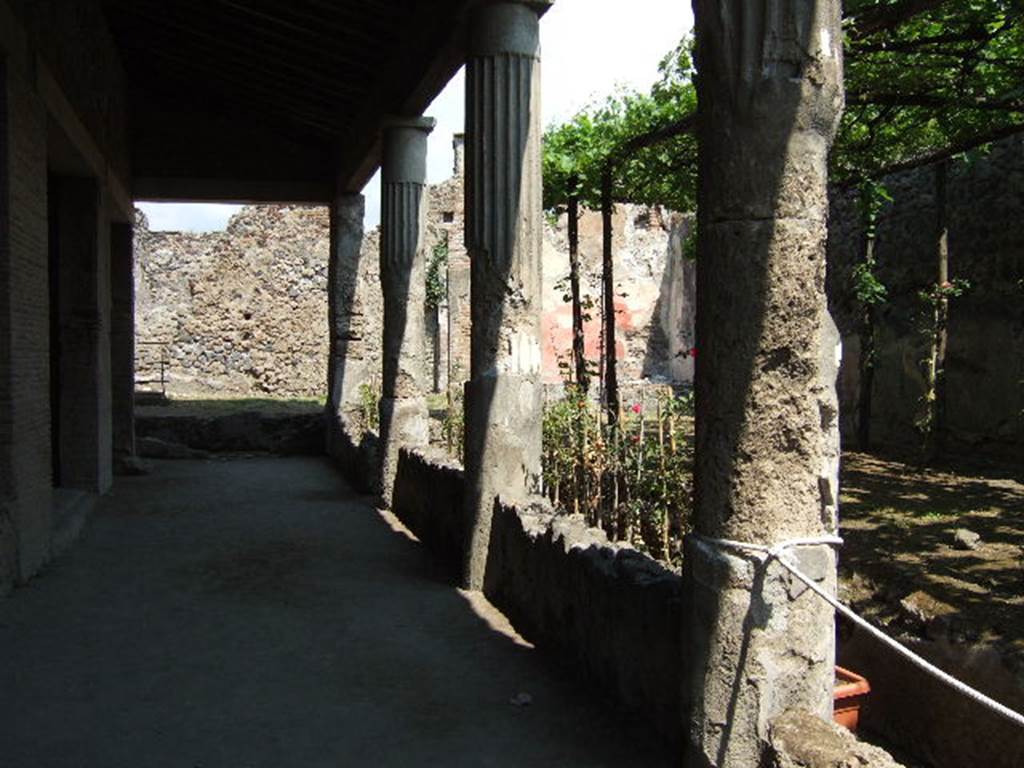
pixel 588 47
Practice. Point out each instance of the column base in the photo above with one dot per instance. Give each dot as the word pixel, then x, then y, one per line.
pixel 404 423
pixel 503 455
pixel 757 642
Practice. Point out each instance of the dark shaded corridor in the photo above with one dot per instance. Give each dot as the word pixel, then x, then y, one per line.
pixel 255 612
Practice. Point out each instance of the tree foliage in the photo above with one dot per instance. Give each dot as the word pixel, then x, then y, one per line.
pixel 576 152
pixel 923 77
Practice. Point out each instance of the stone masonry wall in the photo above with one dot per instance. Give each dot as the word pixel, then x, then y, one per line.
pixel 239 312
pixel 609 613
pixel 612 614
pixel 985 360
pixel 244 312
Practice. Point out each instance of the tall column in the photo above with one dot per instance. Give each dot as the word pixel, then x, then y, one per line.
pixel 404 420
pixel 757 642
pixel 503 238
pixel 122 338
pixel 346 365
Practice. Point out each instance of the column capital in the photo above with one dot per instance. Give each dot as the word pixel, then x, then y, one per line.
pixel 511 26
pixel 404 153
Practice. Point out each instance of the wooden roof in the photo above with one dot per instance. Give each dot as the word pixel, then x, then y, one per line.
pixel 273 100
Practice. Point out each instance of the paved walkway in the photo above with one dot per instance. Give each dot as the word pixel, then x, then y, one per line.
pixel 257 613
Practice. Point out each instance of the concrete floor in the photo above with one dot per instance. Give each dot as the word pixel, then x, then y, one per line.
pixel 255 612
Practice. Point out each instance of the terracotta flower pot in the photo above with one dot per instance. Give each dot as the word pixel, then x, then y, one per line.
pixel 850 693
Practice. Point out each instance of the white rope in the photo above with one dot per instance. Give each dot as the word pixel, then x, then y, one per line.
pixel 777 552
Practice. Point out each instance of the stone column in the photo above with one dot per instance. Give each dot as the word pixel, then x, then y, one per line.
pixel 757 642
pixel 122 338
pixel 346 368
pixel 404 421
pixel 503 238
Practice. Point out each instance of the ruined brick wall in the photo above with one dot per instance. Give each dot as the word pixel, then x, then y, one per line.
pixel 241 312
pixel 985 360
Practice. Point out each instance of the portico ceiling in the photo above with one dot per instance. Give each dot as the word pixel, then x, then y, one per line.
pixel 250 100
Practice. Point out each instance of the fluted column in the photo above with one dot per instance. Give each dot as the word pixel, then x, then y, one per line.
pixel 404 421
pixel 758 642
pixel 503 238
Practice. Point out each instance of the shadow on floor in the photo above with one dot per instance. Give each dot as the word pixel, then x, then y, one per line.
pixel 258 613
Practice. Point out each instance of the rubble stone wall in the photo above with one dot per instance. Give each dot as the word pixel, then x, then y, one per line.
pixel 243 312
pixel 239 312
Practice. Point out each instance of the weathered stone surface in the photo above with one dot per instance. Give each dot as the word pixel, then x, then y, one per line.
pixel 243 311
pixel 801 740
pixel 655 290
pixel 613 614
pixel 356 453
pixel 965 539
pixel 250 430
pixel 157 448
pixel 404 421
pixel 354 309
pixel 428 498
pixel 655 300
pixel 770 90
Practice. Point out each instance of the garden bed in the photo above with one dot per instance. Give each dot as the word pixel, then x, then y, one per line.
pixel 911 560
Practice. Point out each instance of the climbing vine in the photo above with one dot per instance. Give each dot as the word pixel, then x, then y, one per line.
pixel 437 275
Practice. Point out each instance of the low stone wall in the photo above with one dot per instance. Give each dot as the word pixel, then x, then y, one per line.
pixel 801 740
pixel 428 499
pixel 356 456
pixel 928 718
pixel 611 612
pixel 607 610
pixel 248 430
